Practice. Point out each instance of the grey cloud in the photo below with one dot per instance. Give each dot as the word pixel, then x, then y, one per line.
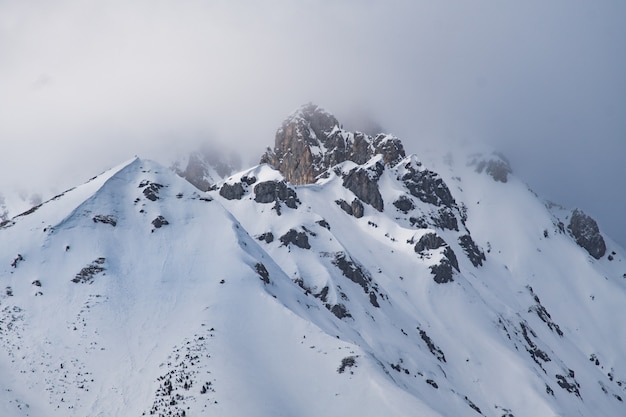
pixel 86 85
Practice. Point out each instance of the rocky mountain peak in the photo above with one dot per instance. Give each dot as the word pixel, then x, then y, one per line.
pixel 311 140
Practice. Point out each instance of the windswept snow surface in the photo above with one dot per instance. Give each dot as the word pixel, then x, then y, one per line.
pixel 137 294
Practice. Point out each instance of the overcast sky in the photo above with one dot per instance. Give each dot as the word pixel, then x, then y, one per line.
pixel 85 85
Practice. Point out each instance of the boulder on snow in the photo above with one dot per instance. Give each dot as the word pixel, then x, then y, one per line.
pixel 587 234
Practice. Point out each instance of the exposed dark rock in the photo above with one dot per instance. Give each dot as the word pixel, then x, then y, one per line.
pixel 374 300
pixel 347 362
pixel 352 271
pixel 445 219
pixel 339 310
pixel 87 274
pixel 531 347
pixel 472 405
pixel 429 241
pixel 343 204
pixel 497 166
pixel 419 222
pixel 404 204
pixel 232 191
pixel 268 237
pixel 106 219
pixel 300 239
pixel 364 184
pixel 262 271
pixel 150 189
pixel 323 223
pixel 434 349
pixel 443 272
pixel 432 383
pixel 587 234
pixel 473 252
pixel 310 142
pixel 275 191
pixel 159 222
pixel 568 383
pixel 19 258
pixel 427 185
pixel 357 208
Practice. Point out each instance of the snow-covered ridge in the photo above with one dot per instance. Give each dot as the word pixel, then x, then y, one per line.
pixel 387 286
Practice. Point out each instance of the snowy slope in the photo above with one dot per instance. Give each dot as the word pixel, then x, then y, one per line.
pixel 402 286
pixel 106 313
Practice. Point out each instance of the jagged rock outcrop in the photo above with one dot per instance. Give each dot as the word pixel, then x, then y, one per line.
pixel 363 182
pixel 311 140
pixel 587 234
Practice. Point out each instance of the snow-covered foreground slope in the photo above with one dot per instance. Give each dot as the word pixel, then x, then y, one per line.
pixel 387 285
pixel 133 294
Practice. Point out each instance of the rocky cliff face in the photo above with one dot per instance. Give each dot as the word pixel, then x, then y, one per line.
pixel 311 140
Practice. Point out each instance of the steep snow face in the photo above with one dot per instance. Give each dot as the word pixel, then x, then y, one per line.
pixel 415 286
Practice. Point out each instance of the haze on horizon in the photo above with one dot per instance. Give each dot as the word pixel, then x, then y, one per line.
pixel 87 85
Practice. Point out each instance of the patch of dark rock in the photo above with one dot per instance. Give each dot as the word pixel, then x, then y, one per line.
pixel 323 295
pixel 262 271
pixel 472 405
pixel 446 219
pixel 374 300
pixel 531 347
pixel 404 204
pixel 300 239
pixel 36 283
pixel 343 204
pixel 546 318
pixel 267 237
pixel 87 274
pixel 390 148
pixel 29 211
pixel 549 390
pixel 352 271
pixel 473 252
pixel 443 272
pixel 364 184
pixel 434 349
pixel 275 191
pixel 339 310
pixel 150 190
pixel 357 208
pixel 106 219
pixel 248 180
pixel 587 234
pixel 346 363
pixel 323 223
pixel 432 383
pixel 232 191
pixel 428 186
pixel 8 291
pixel 419 222
pixel 568 383
pixel 159 222
pixel 429 241
pixel 19 258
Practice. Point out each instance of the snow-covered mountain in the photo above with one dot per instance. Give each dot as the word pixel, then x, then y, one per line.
pixel 346 278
